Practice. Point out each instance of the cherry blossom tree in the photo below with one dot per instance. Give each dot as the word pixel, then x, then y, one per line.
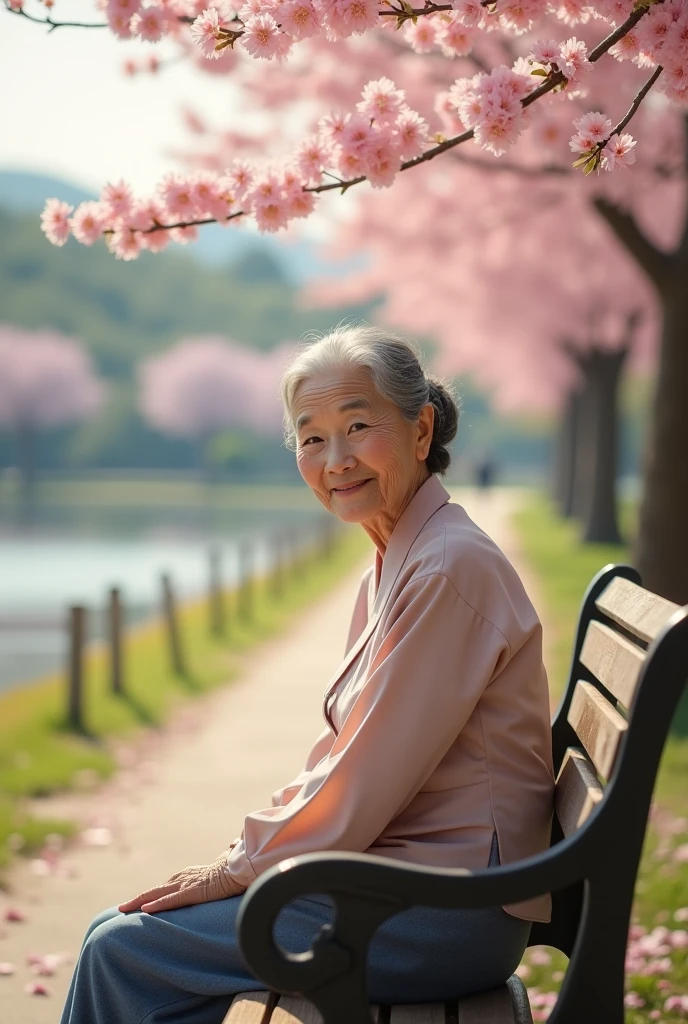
pixel 548 334
pixel 46 382
pixel 203 386
pixel 519 88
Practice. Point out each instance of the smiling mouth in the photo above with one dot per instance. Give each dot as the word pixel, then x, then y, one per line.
pixel 350 488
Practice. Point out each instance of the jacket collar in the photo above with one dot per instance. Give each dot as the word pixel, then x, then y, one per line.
pixel 429 497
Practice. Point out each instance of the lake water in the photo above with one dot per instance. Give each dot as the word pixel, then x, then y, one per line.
pixel 71 556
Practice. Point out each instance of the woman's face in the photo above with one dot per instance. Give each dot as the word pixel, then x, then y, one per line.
pixel 363 460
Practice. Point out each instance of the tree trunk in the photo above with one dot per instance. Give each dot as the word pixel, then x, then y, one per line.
pixel 662 543
pixel 600 521
pixel 583 454
pixel 27 473
pixel 565 455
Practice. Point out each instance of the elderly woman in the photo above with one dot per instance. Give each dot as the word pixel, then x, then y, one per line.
pixel 436 748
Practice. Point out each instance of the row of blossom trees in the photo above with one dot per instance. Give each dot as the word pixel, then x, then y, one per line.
pixel 486 108
pixel 193 390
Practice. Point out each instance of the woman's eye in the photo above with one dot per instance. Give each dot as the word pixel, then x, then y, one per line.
pixel 354 425
pixel 310 440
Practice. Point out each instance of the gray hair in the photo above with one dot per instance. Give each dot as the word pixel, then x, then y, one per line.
pixel 394 365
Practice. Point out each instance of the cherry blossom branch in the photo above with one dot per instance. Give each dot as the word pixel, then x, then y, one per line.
pixel 637 100
pixel 555 79
pixel 406 11
pixel 132 220
pixel 591 160
pixel 52 25
pixel 183 19
pixel 505 165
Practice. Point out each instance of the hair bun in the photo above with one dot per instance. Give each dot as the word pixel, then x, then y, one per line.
pixel 446 424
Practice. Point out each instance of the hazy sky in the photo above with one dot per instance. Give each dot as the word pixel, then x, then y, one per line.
pixel 68 110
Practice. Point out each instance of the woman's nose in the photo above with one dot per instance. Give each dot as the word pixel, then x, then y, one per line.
pixel 339 455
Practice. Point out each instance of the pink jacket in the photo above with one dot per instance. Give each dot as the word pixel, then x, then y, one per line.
pixel 438 731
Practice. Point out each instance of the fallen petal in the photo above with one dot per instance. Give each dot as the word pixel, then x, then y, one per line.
pixel 36 988
pixel 14 914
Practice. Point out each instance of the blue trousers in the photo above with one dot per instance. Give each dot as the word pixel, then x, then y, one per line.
pixel 183 966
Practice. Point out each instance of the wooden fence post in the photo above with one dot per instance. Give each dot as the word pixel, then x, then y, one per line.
pixel 328 538
pixel 215 594
pixel 277 575
pixel 295 553
pixel 76 625
pixel 115 640
pixel 169 608
pixel 245 586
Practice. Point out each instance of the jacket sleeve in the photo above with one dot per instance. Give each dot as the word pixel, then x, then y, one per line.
pixel 320 749
pixel 431 666
pixel 324 741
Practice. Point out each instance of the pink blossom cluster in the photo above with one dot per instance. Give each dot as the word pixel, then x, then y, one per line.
pixel 47 379
pixel 569 57
pixel 126 222
pixel 204 385
pixel 648 955
pixel 541 1003
pixel 373 141
pixel 151 20
pixel 445 32
pixel 131 18
pixel 661 38
pixel 649 951
pixel 492 106
pixel 370 142
pixel 268 28
pixel 595 131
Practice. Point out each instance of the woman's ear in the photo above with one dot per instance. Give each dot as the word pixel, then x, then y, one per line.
pixel 426 423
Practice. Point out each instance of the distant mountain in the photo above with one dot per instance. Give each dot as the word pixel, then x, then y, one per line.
pixel 23 191
pixel 299 261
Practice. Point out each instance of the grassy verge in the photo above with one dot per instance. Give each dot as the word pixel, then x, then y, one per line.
pixel 39 755
pixel 109 492
pixel 658 964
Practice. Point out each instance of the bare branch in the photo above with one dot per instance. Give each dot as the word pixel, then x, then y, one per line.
pixel 637 100
pixel 524 170
pixel 52 25
pixel 657 265
pixel 591 159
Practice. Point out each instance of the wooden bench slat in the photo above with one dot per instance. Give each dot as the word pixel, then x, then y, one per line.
pixel 598 726
pixel 421 1013
pixel 493 1007
pixel 612 659
pixel 291 1010
pixel 637 610
pixel 248 1008
pixel 578 791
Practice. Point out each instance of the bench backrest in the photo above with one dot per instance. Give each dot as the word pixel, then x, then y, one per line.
pixel 628 673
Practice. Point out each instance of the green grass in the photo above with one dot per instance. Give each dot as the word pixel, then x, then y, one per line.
pixel 115 491
pixel 40 755
pixel 563 568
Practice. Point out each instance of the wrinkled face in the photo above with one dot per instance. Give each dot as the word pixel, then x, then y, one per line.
pixel 358 454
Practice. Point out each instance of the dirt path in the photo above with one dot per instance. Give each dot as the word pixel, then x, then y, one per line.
pixel 182 798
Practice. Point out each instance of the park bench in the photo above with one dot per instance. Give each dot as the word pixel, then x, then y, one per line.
pixel 629 668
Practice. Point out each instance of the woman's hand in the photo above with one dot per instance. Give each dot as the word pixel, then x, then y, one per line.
pixel 200 883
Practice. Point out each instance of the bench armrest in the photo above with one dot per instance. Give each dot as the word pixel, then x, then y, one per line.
pixel 366 890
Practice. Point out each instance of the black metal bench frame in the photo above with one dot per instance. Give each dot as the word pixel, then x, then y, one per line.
pixel 591 873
